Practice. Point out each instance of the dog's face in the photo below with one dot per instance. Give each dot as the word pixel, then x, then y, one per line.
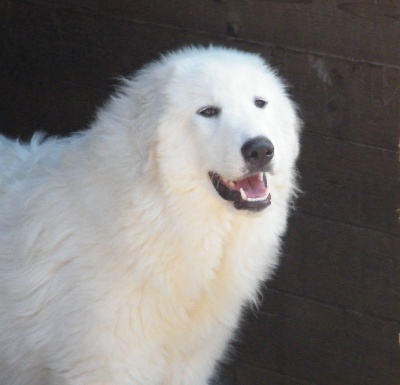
pixel 234 126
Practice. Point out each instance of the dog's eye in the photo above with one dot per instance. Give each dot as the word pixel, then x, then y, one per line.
pixel 209 111
pixel 260 103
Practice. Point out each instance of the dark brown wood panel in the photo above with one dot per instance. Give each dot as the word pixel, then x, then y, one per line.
pixel 351 29
pixel 321 344
pixel 250 375
pixel 71 46
pixel 343 265
pixel 360 103
pixel 349 182
pixel 245 374
pixel 29 104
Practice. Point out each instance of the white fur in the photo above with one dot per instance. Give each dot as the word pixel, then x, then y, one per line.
pixel 119 262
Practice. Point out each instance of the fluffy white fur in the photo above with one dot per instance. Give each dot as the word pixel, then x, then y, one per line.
pixel 119 262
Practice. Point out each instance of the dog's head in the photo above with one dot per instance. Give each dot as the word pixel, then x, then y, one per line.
pixel 226 128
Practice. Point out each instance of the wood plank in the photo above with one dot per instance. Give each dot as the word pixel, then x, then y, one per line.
pixel 29 104
pixel 321 344
pixel 241 373
pixel 250 375
pixel 341 265
pixel 366 31
pixel 351 101
pixel 349 182
pixel 344 100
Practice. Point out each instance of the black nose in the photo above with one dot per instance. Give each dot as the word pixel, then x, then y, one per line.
pixel 258 151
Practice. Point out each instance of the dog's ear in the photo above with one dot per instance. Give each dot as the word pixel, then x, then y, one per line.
pixel 138 106
pixel 148 92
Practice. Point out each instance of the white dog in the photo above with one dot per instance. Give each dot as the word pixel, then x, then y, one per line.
pixel 127 252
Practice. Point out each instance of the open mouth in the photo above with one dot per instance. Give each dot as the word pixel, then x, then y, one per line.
pixel 250 193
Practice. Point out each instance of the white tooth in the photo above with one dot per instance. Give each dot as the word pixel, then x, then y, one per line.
pixel 243 194
pixel 263 198
pixel 264 178
pixel 261 176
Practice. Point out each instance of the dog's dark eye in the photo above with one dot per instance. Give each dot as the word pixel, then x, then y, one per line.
pixel 260 103
pixel 209 111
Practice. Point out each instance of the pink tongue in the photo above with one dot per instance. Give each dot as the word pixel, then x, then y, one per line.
pixel 252 186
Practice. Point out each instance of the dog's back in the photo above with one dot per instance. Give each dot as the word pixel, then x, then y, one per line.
pixel 20 162
pixel 12 158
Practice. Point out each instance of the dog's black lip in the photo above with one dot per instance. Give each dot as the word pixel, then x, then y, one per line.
pixel 235 196
pixel 223 190
pixel 252 206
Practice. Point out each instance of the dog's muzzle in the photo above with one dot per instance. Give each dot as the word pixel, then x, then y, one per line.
pixel 251 192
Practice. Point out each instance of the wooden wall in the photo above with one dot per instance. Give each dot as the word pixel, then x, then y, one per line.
pixel 331 315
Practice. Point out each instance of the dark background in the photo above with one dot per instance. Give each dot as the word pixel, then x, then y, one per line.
pixel 331 314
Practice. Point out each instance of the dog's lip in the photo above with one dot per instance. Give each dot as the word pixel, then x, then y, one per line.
pixel 248 193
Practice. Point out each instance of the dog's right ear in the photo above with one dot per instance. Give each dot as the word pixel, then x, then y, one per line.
pixel 147 93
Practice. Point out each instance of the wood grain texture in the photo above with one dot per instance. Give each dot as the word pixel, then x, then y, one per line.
pixel 367 31
pixel 349 182
pixel 342 265
pixel 320 343
pixel 30 104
